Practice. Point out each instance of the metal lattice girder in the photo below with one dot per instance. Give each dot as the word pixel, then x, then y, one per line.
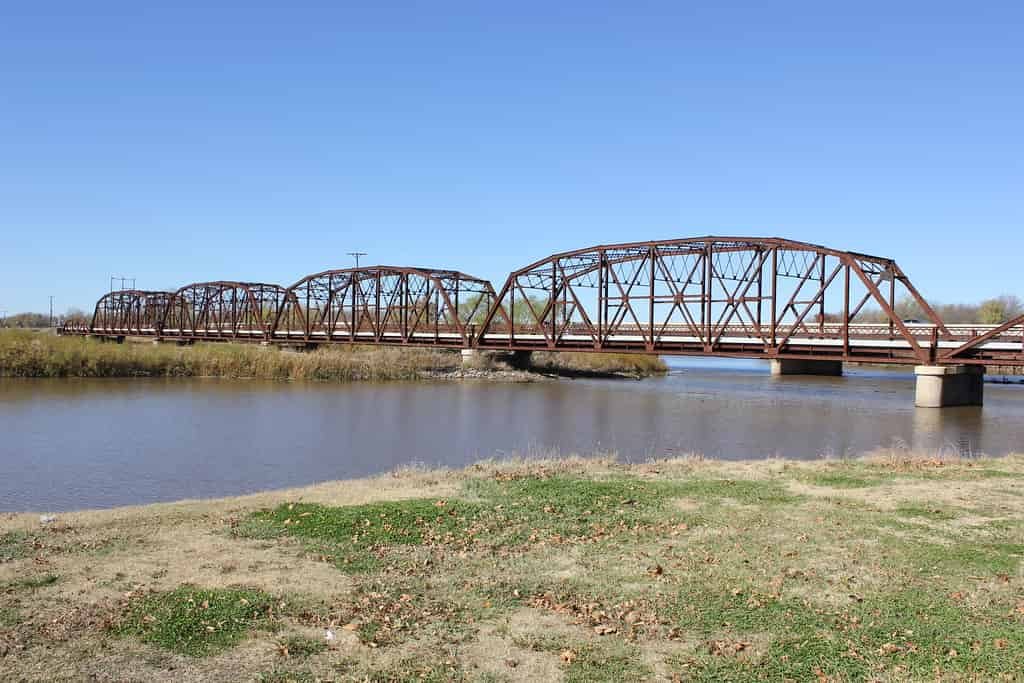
pixel 982 348
pixel 385 304
pixel 129 312
pixel 750 296
pixel 223 310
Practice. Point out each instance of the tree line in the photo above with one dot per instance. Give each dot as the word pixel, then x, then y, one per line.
pixel 992 311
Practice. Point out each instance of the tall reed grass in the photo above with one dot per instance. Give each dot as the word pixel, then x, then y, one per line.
pixel 634 364
pixel 30 354
pixel 26 353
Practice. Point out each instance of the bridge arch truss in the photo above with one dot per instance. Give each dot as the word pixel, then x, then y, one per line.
pixel 129 312
pixel 725 296
pixel 223 310
pixel 385 305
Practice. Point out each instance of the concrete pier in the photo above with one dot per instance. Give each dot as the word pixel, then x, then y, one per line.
pixel 939 386
pixel 801 366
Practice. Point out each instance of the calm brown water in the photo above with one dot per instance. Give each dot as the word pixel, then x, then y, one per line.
pixel 70 444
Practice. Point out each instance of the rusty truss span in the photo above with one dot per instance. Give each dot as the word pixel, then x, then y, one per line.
pixel 744 297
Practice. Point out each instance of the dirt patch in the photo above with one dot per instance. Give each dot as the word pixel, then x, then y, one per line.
pixel 211 560
pixel 498 656
pixel 686 504
pixel 533 622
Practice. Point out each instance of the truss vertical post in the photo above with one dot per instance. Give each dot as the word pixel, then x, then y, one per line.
pixel 775 293
pixel 821 302
pixel 846 310
pixel 706 308
pixel 376 313
pixel 760 295
pixel 652 252
pixel 511 316
pixel 353 286
pixel 601 298
pixel 892 297
pixel 553 305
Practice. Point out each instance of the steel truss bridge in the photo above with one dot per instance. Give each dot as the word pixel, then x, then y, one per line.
pixel 742 297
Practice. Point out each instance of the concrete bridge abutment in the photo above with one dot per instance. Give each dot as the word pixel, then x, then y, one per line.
pixel 941 386
pixel 802 366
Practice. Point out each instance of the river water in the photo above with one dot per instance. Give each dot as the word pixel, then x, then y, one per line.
pixel 72 444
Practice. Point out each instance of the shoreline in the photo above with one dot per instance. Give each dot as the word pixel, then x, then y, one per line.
pixel 582 569
pixel 604 463
pixel 33 355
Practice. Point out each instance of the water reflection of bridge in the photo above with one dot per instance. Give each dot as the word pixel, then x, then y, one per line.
pixel 805 307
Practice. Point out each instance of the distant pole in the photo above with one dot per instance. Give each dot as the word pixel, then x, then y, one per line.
pixel 357 254
pixel 51 310
pixel 122 280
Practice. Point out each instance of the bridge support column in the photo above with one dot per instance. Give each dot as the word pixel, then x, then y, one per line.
pixel 939 386
pixel 801 366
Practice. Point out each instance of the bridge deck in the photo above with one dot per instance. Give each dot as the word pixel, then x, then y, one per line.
pixel 865 342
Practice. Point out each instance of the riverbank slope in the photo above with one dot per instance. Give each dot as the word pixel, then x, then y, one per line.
pixel 886 567
pixel 40 354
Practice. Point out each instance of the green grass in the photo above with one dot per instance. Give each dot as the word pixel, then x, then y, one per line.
pixel 9 617
pixel 354 536
pixel 15 545
pixel 747 492
pixel 568 506
pixel 962 557
pixel 926 511
pixel 301 646
pixel 196 622
pixel 841 480
pixel 842 642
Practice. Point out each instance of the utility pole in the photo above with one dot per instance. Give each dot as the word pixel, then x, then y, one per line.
pixel 122 280
pixel 357 254
pixel 51 310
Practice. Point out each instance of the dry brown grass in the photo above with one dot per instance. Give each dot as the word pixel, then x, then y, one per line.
pixel 629 364
pixel 27 354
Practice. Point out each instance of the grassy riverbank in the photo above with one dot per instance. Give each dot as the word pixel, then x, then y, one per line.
pixel 886 568
pixel 34 354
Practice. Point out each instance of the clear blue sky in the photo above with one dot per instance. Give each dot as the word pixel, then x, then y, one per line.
pixel 263 141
